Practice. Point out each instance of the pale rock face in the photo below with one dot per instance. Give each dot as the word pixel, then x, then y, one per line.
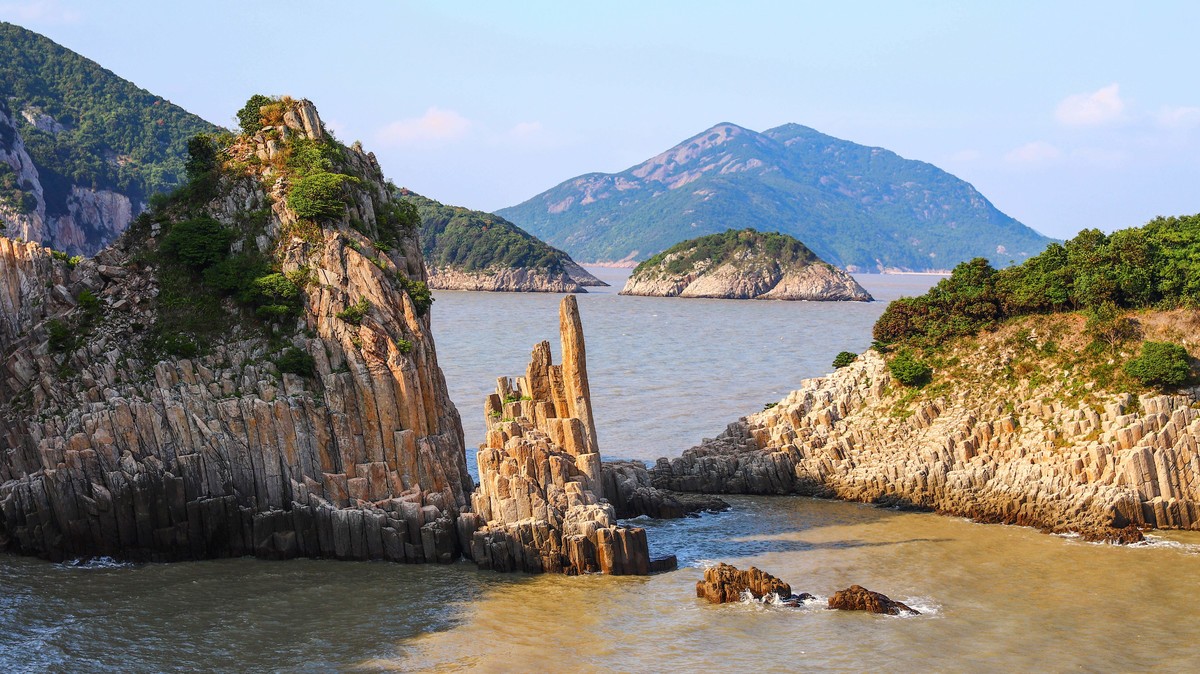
pixel 1045 465
pixel 503 280
pixel 538 505
pixel 104 453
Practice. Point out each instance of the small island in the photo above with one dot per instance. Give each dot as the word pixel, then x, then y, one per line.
pixel 743 265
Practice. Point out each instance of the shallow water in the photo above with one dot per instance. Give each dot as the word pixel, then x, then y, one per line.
pixel 664 372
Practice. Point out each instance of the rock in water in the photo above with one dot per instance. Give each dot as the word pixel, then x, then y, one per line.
pixel 858 598
pixel 725 583
pixel 740 265
pixel 538 501
pixel 145 415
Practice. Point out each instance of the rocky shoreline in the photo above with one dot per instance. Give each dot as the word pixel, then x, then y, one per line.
pixel 1104 474
pixel 504 280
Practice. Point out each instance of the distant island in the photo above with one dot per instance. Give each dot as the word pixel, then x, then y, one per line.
pixel 743 264
pixel 473 250
pixel 860 208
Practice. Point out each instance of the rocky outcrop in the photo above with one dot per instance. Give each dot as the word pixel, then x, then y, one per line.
pixel 743 265
pixel 539 502
pixel 580 275
pixel 858 598
pixel 724 584
pixel 627 485
pixel 507 279
pixel 105 450
pixel 980 451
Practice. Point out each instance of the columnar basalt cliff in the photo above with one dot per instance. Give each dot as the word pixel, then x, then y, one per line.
pixel 980 452
pixel 121 437
pixel 539 498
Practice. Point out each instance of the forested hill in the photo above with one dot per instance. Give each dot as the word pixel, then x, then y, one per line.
pixel 859 207
pixel 474 242
pixel 100 144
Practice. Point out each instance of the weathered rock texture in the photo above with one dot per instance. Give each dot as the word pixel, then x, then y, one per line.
pixel 508 279
pixel 859 598
pixel 725 584
pixel 627 485
pixel 979 451
pixel 540 477
pixel 103 452
pixel 749 271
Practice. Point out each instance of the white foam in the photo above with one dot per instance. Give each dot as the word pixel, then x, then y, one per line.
pixel 95 563
pixel 1153 541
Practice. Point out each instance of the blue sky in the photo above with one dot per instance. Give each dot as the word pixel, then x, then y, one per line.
pixel 1065 115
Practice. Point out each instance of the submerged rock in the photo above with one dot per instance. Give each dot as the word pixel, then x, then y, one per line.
pixel 858 598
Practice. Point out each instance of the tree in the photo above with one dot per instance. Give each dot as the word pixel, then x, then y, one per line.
pixel 1161 364
pixel 250 116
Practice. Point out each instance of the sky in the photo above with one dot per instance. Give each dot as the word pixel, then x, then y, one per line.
pixel 1066 115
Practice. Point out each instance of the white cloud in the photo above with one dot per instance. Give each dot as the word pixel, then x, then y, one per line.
pixel 1099 107
pixel 435 125
pixel 1178 117
pixel 1037 152
pixel 525 130
pixel 41 11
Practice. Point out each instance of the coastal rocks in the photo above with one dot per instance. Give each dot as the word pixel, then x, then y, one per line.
pixel 104 451
pixel 725 584
pixel 506 279
pixel 1102 472
pixel 858 598
pixel 538 503
pixel 743 265
pixel 628 487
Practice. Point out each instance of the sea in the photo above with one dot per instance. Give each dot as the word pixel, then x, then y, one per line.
pixel 664 373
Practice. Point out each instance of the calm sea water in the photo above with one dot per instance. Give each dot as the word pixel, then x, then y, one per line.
pixel 664 373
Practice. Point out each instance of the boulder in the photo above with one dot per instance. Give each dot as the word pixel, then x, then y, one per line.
pixel 858 598
pixel 725 583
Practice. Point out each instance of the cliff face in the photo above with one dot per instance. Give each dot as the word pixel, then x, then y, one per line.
pixel 107 448
pixel 743 265
pixel 504 280
pixel 981 451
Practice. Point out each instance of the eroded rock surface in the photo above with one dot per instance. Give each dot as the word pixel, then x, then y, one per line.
pixel 1101 472
pixel 539 500
pixel 725 583
pixel 858 598
pixel 105 451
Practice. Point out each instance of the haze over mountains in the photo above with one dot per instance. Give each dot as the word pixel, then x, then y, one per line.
pixel 858 207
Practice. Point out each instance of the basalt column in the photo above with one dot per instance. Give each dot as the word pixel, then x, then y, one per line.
pixel 539 472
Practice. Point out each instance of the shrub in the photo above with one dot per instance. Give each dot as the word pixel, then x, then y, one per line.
pixel 404 345
pixel 1161 364
pixel 296 361
pixel 354 313
pixel 202 156
pixel 319 196
pixel 843 359
pixel 89 302
pixel 1105 324
pixel 198 243
pixel 418 292
pixel 62 338
pixel 909 370
pixel 250 116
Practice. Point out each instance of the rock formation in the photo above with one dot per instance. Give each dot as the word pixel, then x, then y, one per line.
pixel 978 451
pixel 539 502
pixel 109 447
pixel 858 598
pixel 725 584
pixel 743 265
pixel 627 486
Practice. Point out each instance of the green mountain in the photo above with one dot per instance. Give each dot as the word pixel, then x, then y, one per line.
pixel 81 150
pixel 858 207
pixel 473 250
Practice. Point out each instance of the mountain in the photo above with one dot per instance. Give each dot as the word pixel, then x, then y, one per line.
pixel 473 250
pixel 743 264
pixel 81 150
pixel 858 207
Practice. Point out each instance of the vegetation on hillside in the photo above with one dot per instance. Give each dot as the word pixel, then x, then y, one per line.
pixel 725 247
pixel 468 240
pixel 112 134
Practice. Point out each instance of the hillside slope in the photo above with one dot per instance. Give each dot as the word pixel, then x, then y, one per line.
pixel 857 207
pixel 473 250
pixel 81 150
pixel 743 264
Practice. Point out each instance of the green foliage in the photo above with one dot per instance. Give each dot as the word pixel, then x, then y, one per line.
pixel 88 302
pixel 202 156
pixel 1154 265
pixel 1106 324
pixel 404 345
pixel 354 313
pixel 62 337
pixel 114 135
pixel 250 116
pixel 275 296
pixel 909 370
pixel 15 194
pixel 723 247
pixel 418 292
pixel 843 359
pixel 1161 364
pixel 198 243
pixel 319 196
pixel 469 240
pixel 296 361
